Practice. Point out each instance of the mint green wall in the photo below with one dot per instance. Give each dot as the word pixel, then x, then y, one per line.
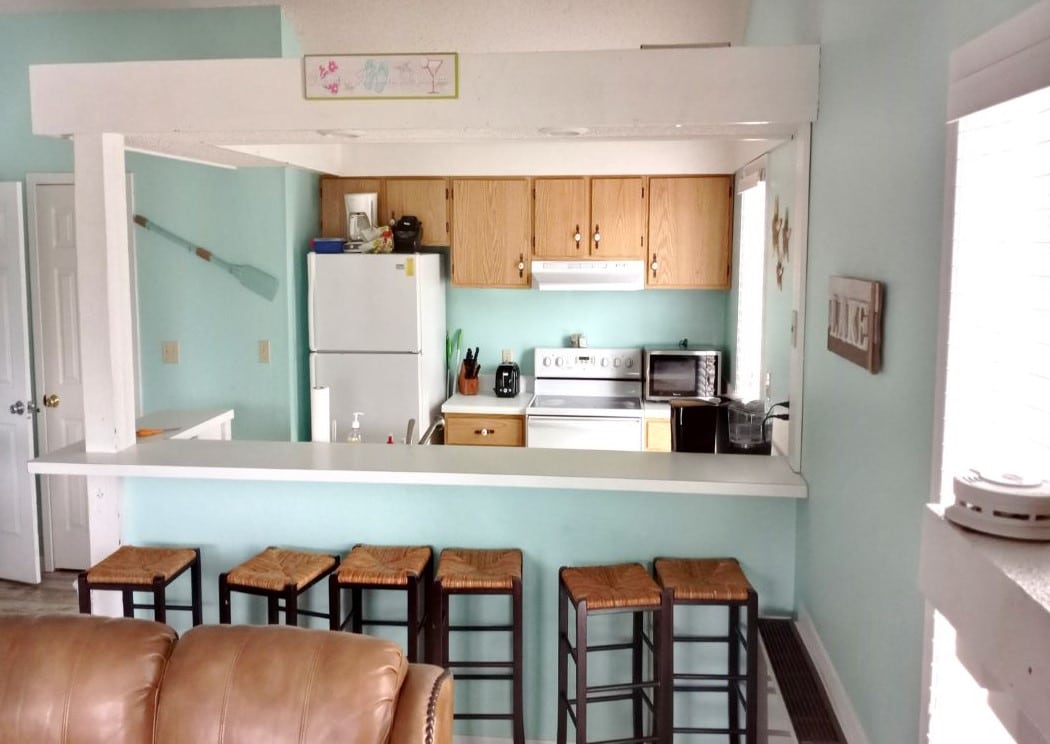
pixel 241 216
pixel 249 216
pixel 39 38
pixel 875 212
pixel 520 320
pixel 552 527
pixel 302 216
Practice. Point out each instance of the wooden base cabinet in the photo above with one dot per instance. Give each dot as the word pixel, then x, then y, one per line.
pixel 488 430
pixel 690 232
pixel 491 232
pixel 657 435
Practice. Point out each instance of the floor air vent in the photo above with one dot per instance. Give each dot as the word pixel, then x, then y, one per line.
pixel 807 703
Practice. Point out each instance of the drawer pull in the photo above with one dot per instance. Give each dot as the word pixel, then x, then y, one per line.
pixel 483 432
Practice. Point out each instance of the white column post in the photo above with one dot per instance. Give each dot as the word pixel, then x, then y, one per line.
pixel 106 339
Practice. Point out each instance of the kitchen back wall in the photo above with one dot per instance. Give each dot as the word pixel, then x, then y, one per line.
pixel 522 319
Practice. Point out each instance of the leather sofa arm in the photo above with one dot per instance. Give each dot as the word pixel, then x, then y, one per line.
pixel 424 707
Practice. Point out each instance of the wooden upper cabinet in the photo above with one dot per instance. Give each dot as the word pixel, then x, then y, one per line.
pixel 333 210
pixel 425 198
pixel 618 217
pixel 491 232
pixel 560 218
pixel 690 231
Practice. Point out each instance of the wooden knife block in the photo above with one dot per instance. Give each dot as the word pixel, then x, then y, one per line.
pixel 467 385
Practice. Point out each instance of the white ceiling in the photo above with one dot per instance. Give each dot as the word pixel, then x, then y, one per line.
pixel 331 26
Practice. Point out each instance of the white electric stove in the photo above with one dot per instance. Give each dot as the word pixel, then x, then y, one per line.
pixel 586 399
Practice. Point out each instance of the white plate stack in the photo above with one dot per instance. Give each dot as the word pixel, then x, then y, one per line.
pixel 1003 504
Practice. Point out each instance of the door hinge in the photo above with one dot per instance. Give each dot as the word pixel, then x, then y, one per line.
pixel 643 192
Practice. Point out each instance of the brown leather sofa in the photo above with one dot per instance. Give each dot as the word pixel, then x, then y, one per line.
pixel 83 679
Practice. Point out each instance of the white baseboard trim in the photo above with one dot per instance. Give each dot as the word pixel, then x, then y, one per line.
pixel 840 702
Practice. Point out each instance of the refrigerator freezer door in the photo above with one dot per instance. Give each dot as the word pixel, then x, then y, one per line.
pixel 384 387
pixel 364 302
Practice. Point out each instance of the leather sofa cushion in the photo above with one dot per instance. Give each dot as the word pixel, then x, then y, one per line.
pixel 240 684
pixel 80 679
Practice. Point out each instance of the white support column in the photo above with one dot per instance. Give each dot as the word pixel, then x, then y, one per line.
pixel 106 339
pixel 104 292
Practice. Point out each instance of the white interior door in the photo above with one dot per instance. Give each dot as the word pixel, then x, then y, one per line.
pixel 56 326
pixel 19 545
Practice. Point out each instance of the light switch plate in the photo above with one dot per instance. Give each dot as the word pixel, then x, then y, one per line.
pixel 169 352
pixel 264 352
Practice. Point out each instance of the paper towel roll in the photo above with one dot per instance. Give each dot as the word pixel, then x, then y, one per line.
pixel 320 415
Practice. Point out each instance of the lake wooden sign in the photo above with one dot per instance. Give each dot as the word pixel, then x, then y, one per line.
pixel 855 321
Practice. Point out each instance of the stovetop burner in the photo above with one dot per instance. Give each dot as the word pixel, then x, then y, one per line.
pixel 626 403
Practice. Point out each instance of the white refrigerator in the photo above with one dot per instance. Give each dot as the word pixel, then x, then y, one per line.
pixel 377 339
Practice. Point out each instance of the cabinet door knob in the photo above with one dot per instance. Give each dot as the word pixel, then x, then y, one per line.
pixel 654 265
pixel 577 237
pixel 597 236
pixel 521 265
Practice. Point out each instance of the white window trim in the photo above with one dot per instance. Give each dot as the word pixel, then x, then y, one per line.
pixel 987 580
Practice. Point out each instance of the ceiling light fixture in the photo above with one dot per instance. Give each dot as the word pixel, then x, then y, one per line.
pixel 563 131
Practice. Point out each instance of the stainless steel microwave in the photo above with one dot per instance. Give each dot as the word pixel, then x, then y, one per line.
pixel 677 374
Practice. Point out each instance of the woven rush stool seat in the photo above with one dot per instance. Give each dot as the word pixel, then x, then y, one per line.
pixel 276 573
pixel 131 568
pixel 718 582
pixel 619 588
pixel 468 571
pixel 384 567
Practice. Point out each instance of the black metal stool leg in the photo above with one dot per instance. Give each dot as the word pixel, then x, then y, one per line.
pixel 412 619
pixel 752 668
pixel 581 672
pixel 636 671
pixel 128 598
pixel 335 613
pixel 291 605
pixel 357 610
pixel 224 600
pixel 160 610
pixel 197 597
pixel 518 657
pixel 563 661
pixel 663 668
pixel 83 593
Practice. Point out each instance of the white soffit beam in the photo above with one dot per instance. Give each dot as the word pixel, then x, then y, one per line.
pixel 633 88
pixel 523 158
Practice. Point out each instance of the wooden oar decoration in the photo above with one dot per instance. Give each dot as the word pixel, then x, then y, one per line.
pixel 256 280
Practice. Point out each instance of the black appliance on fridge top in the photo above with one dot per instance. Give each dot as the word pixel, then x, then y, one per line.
pixel 408 234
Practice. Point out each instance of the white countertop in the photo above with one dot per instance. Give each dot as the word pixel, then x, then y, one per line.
pixel 188 424
pixel 521 467
pixel 487 402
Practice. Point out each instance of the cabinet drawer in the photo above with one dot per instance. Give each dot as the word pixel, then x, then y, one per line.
pixel 658 435
pixel 491 430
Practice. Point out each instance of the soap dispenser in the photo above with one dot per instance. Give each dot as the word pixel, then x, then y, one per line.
pixel 355 429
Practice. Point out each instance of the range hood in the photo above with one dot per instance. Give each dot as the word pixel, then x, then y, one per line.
pixel 601 276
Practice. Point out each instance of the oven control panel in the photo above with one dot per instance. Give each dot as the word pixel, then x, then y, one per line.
pixel 589 364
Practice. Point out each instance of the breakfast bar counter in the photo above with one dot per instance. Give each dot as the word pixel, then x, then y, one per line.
pixel 521 467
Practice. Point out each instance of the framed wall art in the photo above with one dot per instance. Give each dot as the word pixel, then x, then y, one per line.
pixel 855 321
pixel 385 76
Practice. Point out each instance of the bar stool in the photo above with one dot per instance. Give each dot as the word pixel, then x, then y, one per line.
pixel 718 582
pixel 495 572
pixel 386 567
pixel 276 574
pixel 619 588
pixel 133 569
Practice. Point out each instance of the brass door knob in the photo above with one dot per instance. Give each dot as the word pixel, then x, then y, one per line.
pixel 51 401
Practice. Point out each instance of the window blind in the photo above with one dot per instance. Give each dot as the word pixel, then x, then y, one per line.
pixel 997 386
